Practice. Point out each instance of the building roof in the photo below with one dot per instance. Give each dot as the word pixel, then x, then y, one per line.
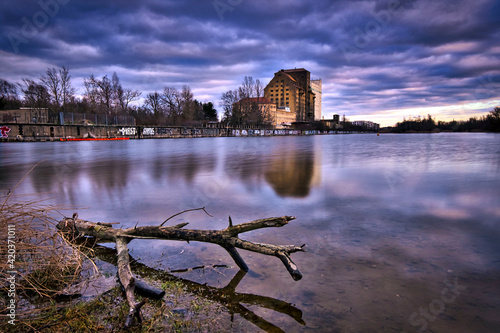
pixel 295 70
pixel 286 74
pixel 290 77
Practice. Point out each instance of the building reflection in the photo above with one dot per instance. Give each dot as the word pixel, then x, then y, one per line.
pixel 291 167
pixel 293 172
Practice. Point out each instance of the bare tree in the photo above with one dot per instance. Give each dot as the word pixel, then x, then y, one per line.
pixel 250 93
pixel 188 105
pixel 232 114
pixel 154 103
pixel 247 88
pixel 121 97
pixel 259 89
pixel 8 90
pixel 8 95
pixel 117 92
pixel 35 95
pixel 99 93
pixel 91 92
pixel 67 91
pixel 246 105
pixel 52 82
pixel 172 99
pixel 105 93
pixel 128 96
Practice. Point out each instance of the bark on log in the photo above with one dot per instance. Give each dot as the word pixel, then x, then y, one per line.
pixel 227 238
pixel 127 280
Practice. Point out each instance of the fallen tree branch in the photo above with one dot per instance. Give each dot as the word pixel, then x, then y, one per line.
pixel 227 238
pixel 127 280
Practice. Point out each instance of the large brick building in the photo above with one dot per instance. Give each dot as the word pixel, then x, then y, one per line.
pixel 292 88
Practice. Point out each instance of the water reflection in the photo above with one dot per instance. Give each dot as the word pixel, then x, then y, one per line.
pixel 290 168
pixel 386 219
pixel 226 296
pixel 291 171
pixel 185 165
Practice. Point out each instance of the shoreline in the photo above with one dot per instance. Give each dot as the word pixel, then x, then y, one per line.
pixel 16 132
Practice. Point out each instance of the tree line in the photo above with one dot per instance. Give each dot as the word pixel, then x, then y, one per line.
pixel 175 107
pixel 486 123
pixel 246 105
pixel 54 90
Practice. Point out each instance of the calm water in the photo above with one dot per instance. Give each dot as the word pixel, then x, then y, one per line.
pixel 402 231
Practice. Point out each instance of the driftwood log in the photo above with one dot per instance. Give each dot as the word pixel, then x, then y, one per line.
pixel 227 238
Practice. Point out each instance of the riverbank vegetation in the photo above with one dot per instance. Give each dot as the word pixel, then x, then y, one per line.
pixel 39 268
pixel 487 123
pixel 106 96
pixel 35 264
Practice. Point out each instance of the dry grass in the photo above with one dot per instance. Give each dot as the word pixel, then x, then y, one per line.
pixel 44 262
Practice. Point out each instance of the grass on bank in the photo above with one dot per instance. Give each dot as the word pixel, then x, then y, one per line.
pixel 45 264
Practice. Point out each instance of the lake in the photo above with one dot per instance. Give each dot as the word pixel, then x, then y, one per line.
pixel 401 231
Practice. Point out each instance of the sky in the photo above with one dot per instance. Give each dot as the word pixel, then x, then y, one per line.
pixel 379 60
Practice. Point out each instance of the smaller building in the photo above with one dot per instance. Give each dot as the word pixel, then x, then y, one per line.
pixel 332 124
pixel 284 117
pixel 369 125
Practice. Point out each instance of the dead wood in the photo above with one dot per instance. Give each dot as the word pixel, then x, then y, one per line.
pixel 227 238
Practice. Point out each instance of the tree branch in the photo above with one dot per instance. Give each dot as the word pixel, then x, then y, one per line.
pixel 185 211
pixel 127 280
pixel 227 238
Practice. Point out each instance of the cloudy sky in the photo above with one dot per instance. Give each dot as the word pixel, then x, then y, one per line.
pixel 379 60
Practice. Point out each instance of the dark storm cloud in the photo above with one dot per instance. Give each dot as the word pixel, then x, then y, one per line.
pixel 372 55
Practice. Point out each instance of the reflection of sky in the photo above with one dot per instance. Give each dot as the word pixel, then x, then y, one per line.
pixel 415 207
